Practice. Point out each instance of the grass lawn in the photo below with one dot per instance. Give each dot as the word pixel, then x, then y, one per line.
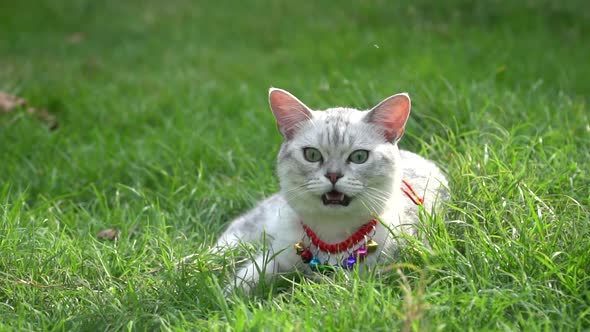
pixel 165 135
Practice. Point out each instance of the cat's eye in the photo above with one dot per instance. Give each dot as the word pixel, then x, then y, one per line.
pixel 359 156
pixel 312 155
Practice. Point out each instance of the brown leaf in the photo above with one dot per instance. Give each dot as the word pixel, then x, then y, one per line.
pixel 9 103
pixel 76 38
pixel 109 234
pixel 133 231
pixel 44 116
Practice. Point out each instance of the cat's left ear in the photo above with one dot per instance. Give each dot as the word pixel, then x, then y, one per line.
pixel 391 115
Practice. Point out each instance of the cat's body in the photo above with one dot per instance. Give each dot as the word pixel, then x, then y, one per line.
pixel 338 169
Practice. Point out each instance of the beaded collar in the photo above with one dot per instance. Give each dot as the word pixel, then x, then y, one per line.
pixel 352 250
pixel 362 236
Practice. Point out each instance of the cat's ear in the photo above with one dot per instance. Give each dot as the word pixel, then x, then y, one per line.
pixel 391 115
pixel 288 110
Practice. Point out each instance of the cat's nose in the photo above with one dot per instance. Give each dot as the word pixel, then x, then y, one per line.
pixel 333 177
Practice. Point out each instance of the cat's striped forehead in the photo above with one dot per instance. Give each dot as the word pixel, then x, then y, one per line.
pixel 336 127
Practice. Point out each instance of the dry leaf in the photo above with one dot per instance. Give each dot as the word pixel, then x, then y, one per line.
pixel 109 234
pixel 9 103
pixel 76 38
pixel 44 116
pixel 133 231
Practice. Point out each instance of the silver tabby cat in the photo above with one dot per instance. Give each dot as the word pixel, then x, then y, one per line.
pixel 338 169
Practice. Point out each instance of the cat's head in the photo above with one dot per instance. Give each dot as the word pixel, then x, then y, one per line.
pixel 340 162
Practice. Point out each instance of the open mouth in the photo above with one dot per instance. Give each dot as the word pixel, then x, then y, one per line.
pixel 335 198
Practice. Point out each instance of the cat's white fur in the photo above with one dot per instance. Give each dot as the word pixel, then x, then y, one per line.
pixel 375 185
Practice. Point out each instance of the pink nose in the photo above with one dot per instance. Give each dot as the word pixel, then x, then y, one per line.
pixel 333 177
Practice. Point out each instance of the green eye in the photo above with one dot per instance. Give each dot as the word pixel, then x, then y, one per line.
pixel 359 156
pixel 312 155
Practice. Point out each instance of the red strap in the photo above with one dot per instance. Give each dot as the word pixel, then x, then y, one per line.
pixel 411 193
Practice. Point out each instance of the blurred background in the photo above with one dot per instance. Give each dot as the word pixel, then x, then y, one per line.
pixel 153 94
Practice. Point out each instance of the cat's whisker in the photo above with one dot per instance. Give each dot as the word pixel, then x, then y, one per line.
pixel 376 194
pixel 366 203
pixel 295 188
pixel 375 202
pixel 377 198
pixel 384 196
pixel 295 194
pixel 370 205
pixel 381 191
pixel 300 190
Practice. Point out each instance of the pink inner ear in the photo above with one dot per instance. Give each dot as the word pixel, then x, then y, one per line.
pixel 288 110
pixel 391 115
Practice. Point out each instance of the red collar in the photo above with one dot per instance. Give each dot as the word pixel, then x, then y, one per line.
pixel 341 246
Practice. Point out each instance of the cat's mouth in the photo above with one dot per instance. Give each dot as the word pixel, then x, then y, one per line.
pixel 335 198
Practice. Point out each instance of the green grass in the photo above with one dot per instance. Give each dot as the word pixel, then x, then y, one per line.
pixel 165 134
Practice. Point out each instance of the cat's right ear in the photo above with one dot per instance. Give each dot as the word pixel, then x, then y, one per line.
pixel 289 111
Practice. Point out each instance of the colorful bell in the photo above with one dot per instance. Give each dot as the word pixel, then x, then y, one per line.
pixel 314 264
pixel 306 255
pixel 348 263
pixel 325 268
pixel 372 246
pixel 299 247
pixel 360 253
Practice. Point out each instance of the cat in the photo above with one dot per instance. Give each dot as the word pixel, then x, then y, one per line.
pixel 341 200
